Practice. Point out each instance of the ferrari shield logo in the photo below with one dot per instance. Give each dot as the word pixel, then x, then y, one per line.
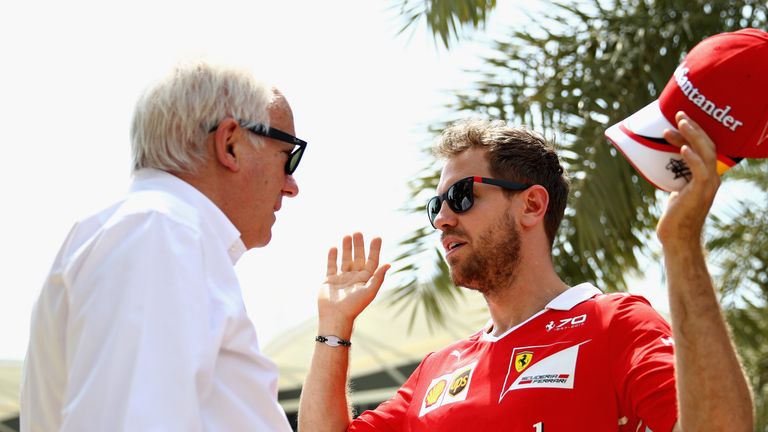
pixel 523 360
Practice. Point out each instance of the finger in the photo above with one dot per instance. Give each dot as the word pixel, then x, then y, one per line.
pixel 378 279
pixel 346 254
pixel 696 164
pixel 700 155
pixel 333 254
pixel 373 255
pixel 359 243
pixel 696 137
pixel 674 137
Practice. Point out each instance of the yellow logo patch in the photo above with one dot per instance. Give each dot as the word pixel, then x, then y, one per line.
pixel 433 395
pixel 523 360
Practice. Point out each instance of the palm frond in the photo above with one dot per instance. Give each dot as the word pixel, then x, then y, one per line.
pixel 447 20
pixel 577 68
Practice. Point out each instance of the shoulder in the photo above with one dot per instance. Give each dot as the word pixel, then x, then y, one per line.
pixel 159 207
pixel 623 307
pixel 630 321
pixel 621 298
pixel 142 207
pixel 144 221
pixel 146 214
pixel 454 349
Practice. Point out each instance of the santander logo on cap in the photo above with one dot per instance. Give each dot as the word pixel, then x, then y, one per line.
pixel 722 84
pixel 699 99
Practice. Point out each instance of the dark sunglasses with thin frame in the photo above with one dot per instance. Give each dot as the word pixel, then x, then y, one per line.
pixel 460 197
pixel 259 129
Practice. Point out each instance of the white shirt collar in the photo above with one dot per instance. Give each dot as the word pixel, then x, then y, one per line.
pixel 565 301
pixel 154 179
pixel 573 296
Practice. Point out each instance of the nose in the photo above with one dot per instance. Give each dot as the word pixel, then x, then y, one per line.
pixel 445 218
pixel 290 187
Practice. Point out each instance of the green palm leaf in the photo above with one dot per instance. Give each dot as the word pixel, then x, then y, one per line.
pixel 576 69
pixel 446 19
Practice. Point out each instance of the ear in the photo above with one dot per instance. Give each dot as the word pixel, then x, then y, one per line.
pixel 535 202
pixel 224 140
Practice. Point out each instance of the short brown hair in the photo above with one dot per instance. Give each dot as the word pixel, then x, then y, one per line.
pixel 517 154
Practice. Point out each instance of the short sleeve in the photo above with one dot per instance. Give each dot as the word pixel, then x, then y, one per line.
pixel 390 415
pixel 644 365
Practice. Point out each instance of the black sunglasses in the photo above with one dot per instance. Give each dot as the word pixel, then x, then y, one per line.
pixel 460 197
pixel 259 129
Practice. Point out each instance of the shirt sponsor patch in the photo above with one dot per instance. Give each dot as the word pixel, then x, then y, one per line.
pixel 544 366
pixel 523 360
pixel 567 323
pixel 434 393
pixel 447 389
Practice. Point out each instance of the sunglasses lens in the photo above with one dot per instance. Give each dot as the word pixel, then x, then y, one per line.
pixel 433 208
pixel 460 196
pixel 293 160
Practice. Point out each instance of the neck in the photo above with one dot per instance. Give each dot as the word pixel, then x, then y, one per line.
pixel 528 294
pixel 208 182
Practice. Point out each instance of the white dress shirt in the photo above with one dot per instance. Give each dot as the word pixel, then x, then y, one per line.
pixel 141 325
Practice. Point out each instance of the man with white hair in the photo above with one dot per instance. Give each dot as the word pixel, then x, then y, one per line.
pixel 141 323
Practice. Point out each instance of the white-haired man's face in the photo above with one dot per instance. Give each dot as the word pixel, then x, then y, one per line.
pixel 263 182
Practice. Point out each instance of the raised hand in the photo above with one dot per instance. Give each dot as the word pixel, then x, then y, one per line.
pixel 348 289
pixel 713 394
pixel 687 209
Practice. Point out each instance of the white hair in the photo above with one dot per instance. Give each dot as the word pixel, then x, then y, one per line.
pixel 173 118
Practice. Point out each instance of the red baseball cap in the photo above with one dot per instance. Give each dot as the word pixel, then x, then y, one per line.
pixel 722 84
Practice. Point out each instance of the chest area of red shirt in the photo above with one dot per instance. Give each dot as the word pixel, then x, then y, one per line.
pixel 554 365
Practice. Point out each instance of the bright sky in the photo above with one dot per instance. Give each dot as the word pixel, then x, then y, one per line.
pixel 362 97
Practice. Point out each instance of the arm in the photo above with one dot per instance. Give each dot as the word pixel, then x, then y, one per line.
pixel 137 331
pixel 323 405
pixel 713 393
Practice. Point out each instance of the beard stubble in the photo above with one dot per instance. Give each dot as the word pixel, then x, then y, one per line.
pixel 495 258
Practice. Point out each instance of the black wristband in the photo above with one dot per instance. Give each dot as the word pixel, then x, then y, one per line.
pixel 333 341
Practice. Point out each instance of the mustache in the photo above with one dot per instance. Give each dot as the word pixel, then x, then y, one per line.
pixel 458 232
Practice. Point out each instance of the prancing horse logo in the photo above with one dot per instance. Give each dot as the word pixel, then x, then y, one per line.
pixel 523 360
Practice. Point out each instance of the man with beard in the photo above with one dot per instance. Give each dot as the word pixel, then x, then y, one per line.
pixel 553 357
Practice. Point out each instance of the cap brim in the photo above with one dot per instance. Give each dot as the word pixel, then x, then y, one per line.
pixel 640 138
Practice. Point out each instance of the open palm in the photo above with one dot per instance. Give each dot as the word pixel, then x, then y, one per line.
pixel 350 287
